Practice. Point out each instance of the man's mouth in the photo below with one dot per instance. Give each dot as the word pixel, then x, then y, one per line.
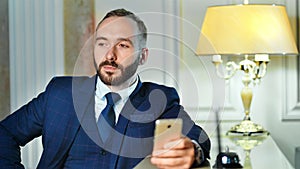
pixel 109 68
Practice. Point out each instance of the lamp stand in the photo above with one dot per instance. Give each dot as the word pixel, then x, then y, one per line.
pixel 254 70
pixel 247 127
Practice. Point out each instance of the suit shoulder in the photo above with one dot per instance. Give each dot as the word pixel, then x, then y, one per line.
pixel 67 82
pixel 156 85
pixel 169 91
pixel 68 79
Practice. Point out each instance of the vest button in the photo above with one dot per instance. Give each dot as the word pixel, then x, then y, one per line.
pixel 103 152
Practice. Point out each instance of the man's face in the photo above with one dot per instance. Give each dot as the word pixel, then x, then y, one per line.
pixel 116 50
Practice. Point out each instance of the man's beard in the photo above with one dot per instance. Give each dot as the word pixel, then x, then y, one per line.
pixel 126 73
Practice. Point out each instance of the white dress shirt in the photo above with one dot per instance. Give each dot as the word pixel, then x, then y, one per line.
pixel 100 99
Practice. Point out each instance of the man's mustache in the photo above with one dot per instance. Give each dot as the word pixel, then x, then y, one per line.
pixel 110 63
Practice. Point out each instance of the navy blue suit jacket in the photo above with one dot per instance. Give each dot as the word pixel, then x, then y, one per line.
pixel 67 103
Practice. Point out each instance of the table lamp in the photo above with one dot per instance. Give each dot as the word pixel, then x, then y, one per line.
pixel 252 32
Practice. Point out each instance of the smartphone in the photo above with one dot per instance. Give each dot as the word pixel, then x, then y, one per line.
pixel 166 130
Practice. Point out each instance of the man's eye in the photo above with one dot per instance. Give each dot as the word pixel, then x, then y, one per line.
pixel 101 44
pixel 124 45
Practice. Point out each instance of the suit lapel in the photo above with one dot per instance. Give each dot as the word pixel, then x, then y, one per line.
pixel 117 139
pixel 88 122
pixel 84 103
pixel 135 99
pixel 83 90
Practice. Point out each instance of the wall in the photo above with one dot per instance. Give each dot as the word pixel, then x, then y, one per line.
pixel 78 28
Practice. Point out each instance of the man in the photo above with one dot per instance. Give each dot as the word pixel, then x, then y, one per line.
pixel 85 124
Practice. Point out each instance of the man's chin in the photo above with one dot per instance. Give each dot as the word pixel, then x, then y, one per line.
pixel 110 80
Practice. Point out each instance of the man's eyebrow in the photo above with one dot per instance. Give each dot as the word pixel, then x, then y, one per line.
pixel 118 39
pixel 125 39
pixel 101 38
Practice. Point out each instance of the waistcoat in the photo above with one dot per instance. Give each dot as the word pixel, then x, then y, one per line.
pixel 85 153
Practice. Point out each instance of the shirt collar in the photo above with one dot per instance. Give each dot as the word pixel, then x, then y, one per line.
pixel 102 89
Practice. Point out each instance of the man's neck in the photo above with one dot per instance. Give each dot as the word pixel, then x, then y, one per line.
pixel 124 85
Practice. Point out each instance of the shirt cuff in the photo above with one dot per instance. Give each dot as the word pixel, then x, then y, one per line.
pixel 199 154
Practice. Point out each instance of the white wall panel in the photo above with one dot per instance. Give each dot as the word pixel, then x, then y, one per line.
pixel 36 55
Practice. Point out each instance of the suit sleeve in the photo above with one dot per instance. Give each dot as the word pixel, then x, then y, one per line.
pixel 19 128
pixel 190 129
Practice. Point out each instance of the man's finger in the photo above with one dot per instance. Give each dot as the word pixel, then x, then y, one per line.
pixel 174 153
pixel 179 144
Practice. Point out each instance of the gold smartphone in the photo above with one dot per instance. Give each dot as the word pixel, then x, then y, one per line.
pixel 166 130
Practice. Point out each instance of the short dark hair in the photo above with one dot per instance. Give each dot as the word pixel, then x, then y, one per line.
pixel 125 13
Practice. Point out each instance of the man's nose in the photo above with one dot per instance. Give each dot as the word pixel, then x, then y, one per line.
pixel 111 53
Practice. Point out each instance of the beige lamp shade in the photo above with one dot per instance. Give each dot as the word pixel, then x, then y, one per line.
pixel 246 29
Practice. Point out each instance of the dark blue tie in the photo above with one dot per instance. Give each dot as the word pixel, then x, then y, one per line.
pixel 107 118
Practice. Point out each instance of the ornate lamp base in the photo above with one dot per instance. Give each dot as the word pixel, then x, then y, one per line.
pixel 247 128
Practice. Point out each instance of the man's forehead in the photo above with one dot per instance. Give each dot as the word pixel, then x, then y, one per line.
pixel 118 26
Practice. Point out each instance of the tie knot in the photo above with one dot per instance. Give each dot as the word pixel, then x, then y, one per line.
pixel 112 98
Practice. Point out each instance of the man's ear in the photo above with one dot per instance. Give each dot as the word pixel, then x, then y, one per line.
pixel 144 56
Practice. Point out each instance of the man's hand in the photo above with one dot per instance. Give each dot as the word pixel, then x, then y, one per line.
pixel 176 154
